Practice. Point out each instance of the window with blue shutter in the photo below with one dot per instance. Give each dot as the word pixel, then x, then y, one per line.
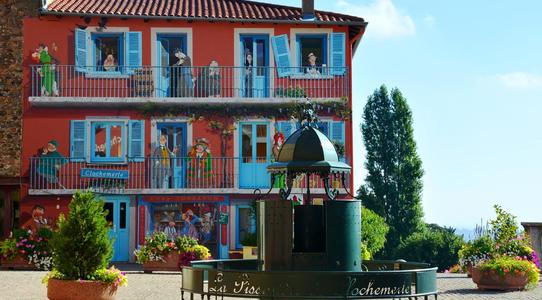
pixel 281 49
pixel 133 51
pixel 136 148
pixel 287 127
pixel 108 141
pixel 338 53
pixel 323 127
pixel 78 139
pixel 338 134
pixel 81 37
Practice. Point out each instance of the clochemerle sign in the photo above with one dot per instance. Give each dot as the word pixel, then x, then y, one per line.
pixel 279 284
pixel 104 173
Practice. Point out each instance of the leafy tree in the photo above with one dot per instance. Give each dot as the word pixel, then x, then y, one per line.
pixel 436 245
pixel 373 232
pixel 393 185
pixel 81 246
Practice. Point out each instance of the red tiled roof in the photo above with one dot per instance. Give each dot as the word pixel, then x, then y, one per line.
pixel 194 9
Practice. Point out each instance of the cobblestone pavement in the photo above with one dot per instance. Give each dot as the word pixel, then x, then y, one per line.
pixel 25 285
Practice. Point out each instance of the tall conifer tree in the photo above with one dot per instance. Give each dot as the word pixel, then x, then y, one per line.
pixel 393 186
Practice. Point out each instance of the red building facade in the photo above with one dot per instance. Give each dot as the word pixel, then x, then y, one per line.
pixel 171 113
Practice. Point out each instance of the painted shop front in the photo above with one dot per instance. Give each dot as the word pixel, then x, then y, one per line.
pixel 204 218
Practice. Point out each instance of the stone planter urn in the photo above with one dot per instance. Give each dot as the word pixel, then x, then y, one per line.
pixel 80 290
pixel 16 263
pixel 488 280
pixel 171 263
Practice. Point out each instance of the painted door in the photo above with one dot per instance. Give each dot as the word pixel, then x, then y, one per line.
pixel 255 66
pixel 167 45
pixel 245 223
pixel 118 218
pixel 176 139
pixel 254 155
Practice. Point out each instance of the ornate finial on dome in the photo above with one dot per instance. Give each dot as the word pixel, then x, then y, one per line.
pixel 307 114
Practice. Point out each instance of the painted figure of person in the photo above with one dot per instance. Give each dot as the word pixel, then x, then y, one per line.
pixel 249 80
pixel 38 218
pixel 184 79
pixel 46 71
pixel 312 67
pixel 162 163
pixel 109 63
pixel 278 141
pixel 50 162
pixel 208 81
pixel 207 225
pixel 189 224
pixel 199 164
pixel 171 231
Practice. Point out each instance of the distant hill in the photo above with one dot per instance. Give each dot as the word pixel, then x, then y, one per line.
pixel 468 234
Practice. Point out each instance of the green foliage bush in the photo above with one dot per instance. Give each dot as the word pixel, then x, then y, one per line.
pixel 435 245
pixel 81 246
pixel 373 233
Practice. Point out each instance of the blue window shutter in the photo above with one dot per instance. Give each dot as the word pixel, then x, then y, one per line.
pixel 337 132
pixel 133 51
pixel 281 49
pixel 81 37
pixel 136 147
pixel 324 128
pixel 78 140
pixel 338 53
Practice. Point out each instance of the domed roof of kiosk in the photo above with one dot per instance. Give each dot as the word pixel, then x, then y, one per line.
pixel 308 150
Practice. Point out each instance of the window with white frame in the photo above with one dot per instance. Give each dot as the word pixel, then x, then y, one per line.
pixel 107 141
pixel 108 51
pixel 312 51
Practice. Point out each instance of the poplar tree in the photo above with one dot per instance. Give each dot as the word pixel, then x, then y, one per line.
pixel 393 186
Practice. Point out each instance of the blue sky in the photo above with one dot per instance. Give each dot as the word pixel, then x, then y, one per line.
pixel 472 74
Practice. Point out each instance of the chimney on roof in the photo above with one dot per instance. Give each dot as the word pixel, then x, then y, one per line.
pixel 307 10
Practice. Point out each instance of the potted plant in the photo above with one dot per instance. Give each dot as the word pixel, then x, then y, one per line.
pixel 501 258
pixel 82 251
pixel 506 273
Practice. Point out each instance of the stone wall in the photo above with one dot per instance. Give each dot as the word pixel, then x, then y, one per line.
pixel 12 13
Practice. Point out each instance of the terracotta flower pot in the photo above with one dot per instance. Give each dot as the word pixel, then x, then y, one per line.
pixel 171 263
pixel 80 290
pixel 17 263
pixel 493 281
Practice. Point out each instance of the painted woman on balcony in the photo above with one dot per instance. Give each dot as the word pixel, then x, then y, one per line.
pixel 183 77
pixel 49 163
pixel 248 73
pixel 46 71
pixel 208 81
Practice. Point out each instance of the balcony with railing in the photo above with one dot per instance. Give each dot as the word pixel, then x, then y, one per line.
pixel 149 175
pixel 93 85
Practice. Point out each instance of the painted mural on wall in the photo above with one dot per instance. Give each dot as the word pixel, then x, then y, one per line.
pixel 278 141
pixel 249 81
pixel 47 72
pixel 197 220
pixel 208 81
pixel 49 163
pixel 183 78
pixel 162 163
pixel 199 164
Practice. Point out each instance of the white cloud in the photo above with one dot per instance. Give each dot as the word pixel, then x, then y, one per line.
pixel 385 20
pixel 519 80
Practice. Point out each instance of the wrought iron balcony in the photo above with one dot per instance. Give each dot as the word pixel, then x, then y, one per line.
pixel 68 84
pixel 151 175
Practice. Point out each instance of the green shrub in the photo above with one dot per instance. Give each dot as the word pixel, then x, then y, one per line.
pixel 373 232
pixel 435 245
pixel 81 246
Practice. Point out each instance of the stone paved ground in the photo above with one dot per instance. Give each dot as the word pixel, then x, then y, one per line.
pixel 24 285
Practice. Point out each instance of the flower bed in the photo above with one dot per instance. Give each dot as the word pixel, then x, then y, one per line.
pixel 26 250
pixel 160 254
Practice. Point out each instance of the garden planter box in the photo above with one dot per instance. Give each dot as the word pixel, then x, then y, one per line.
pixel 493 281
pixel 250 252
pixel 80 290
pixel 171 263
pixel 16 263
